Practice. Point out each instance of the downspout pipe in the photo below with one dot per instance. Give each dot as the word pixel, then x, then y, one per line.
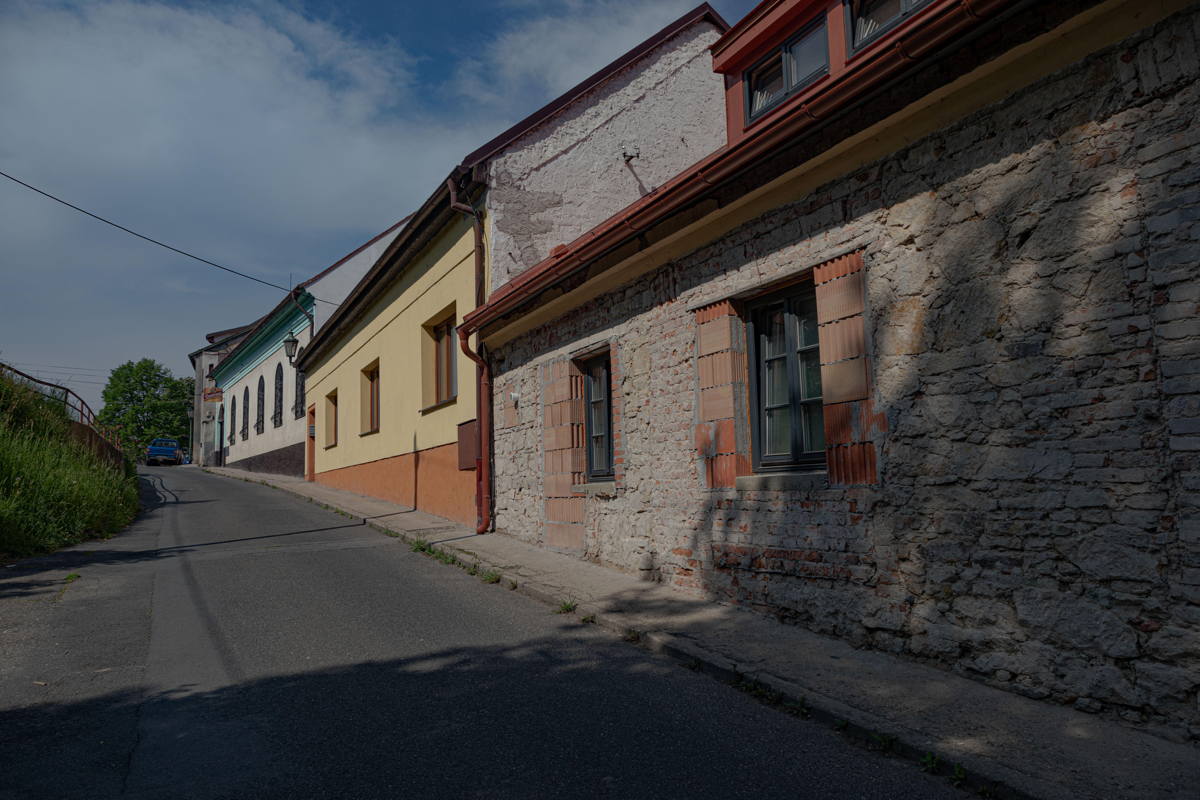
pixel 483 375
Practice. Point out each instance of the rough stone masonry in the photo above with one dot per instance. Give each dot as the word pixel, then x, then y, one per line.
pixel 1033 334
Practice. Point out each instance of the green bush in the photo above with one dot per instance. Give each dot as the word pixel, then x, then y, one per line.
pixel 54 491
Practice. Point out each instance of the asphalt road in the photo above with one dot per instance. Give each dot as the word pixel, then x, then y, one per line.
pixel 237 642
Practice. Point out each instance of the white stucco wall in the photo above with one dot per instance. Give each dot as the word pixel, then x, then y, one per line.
pixel 569 174
pixel 272 438
pixel 335 286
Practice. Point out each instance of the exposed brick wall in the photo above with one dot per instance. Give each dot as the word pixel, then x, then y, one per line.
pixel 1030 333
pixel 721 384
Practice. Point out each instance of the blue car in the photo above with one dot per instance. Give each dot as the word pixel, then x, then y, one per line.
pixel 164 451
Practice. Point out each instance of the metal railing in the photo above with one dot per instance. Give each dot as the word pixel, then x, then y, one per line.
pixel 76 407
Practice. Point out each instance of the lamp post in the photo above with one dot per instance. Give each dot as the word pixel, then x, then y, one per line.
pixel 289 348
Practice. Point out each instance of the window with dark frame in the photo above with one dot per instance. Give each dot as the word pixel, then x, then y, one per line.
pixel 331 419
pixel 870 18
pixel 793 66
pixel 298 410
pixel 232 420
pixel 444 363
pixel 245 413
pixel 787 419
pixel 277 414
pixel 260 416
pixel 598 417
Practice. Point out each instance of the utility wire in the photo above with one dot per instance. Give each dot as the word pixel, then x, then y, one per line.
pixel 152 241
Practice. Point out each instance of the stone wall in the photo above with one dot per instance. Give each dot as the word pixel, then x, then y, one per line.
pixel 1032 326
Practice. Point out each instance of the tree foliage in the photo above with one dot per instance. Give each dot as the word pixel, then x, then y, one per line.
pixel 144 401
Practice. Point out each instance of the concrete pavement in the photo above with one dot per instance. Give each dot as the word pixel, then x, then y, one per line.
pixel 1008 745
pixel 236 642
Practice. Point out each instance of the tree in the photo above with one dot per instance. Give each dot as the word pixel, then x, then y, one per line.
pixel 144 401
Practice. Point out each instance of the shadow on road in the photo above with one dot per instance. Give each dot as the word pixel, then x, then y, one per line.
pixel 552 717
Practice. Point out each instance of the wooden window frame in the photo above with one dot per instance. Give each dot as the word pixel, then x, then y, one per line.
pixel 298 407
pixel 799 459
pixel 331 419
pixel 370 399
pixel 445 365
pixel 792 84
pixel 233 419
pixel 604 470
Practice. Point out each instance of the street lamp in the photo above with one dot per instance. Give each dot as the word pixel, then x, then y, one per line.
pixel 289 348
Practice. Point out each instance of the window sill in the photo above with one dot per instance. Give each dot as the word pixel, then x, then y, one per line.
pixel 330 446
pixel 596 488
pixel 442 404
pixel 782 481
pixel 371 432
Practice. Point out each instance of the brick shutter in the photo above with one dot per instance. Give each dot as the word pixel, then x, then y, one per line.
pixel 850 420
pixel 562 406
pixel 721 364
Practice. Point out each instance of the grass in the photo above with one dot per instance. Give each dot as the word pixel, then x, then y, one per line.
pixel 54 491
pixel 491 576
pixel 566 607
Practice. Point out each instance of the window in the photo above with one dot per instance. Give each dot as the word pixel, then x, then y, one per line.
pixel 277 414
pixel 870 18
pixel 245 413
pixel 298 409
pixel 445 366
pixel 260 415
pixel 796 64
pixel 785 388
pixel 598 418
pixel 370 398
pixel 232 419
pixel 331 419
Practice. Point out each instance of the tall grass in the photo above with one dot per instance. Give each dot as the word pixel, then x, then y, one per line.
pixel 54 491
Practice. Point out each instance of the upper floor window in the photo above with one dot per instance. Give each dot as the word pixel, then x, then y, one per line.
pixel 787 415
pixel 800 61
pixel 869 18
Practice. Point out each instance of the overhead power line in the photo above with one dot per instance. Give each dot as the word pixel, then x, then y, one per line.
pixel 152 240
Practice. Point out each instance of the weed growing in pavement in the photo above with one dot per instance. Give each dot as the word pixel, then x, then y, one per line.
pixel 958 776
pixel 632 636
pixel 419 546
pixel 590 619
pixel 929 762
pixel 74 576
pixel 567 607
pixel 841 725
pixel 473 570
pixel 797 708
pixel 883 742
pixel 512 585
pixel 491 576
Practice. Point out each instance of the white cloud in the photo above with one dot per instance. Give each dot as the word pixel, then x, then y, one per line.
pixel 252 135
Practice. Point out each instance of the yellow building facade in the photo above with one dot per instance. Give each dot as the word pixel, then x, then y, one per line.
pixel 388 393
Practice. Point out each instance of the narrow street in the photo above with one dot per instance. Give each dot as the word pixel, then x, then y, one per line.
pixel 236 642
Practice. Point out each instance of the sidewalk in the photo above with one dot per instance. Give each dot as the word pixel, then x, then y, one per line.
pixel 1008 744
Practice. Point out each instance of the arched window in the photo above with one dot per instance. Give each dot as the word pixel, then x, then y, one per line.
pixel 298 409
pixel 232 419
pixel 277 416
pixel 261 413
pixel 245 413
pixel 221 426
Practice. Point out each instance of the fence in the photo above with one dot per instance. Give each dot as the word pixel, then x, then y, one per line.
pixel 76 407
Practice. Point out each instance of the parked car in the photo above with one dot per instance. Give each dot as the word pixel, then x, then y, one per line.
pixel 164 451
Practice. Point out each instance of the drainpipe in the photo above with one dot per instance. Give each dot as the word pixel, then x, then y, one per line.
pixel 483 374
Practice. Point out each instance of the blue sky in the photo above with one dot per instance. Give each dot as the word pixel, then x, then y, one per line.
pixel 272 137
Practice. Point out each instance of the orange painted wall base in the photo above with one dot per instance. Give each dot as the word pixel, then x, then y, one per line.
pixel 429 479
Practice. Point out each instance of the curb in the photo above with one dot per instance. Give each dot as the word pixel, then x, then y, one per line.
pixel 858 727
